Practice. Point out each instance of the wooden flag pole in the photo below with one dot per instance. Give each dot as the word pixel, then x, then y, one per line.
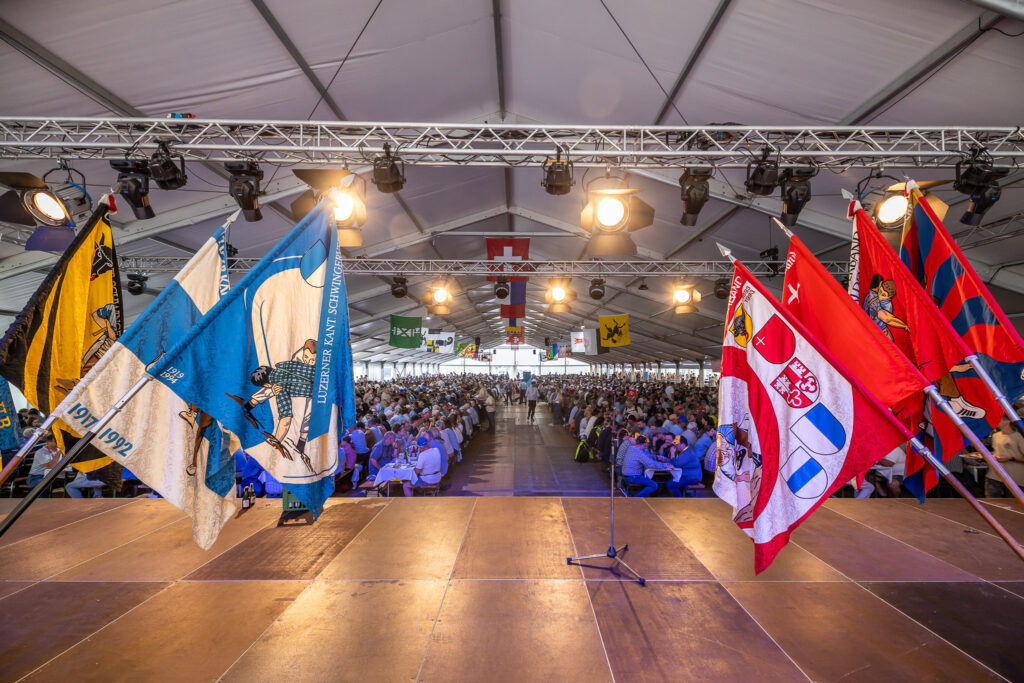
pixel 71 456
pixel 12 466
pixel 962 490
pixel 996 466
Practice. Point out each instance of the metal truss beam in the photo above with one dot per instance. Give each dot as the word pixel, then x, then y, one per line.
pixel 366 266
pixel 484 144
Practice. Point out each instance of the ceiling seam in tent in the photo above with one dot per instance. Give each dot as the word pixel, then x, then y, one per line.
pixel 499 62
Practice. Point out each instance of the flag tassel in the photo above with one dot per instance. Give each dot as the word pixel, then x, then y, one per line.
pixel 12 466
pixel 1000 396
pixel 996 466
pixel 962 490
pixel 71 455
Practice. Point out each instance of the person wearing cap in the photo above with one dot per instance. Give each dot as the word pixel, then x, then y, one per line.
pixel 428 465
pixel 639 459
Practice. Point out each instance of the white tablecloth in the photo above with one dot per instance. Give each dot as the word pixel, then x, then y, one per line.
pixel 403 472
pixel 677 473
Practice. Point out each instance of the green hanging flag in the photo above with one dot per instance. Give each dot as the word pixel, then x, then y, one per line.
pixel 405 332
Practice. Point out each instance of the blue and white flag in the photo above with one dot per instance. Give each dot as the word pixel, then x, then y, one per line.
pixel 272 361
pixel 165 442
pixel 10 430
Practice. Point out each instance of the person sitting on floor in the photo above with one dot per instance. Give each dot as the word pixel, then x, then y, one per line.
pixel 428 466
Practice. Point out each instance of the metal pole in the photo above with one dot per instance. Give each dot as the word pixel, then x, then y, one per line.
pixel 996 466
pixel 71 456
pixel 12 466
pixel 962 490
pixel 1008 408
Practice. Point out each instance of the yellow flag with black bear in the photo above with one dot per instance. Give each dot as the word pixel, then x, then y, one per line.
pixel 68 324
pixel 613 330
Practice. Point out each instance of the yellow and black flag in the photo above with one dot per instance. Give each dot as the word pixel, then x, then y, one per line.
pixel 68 324
pixel 613 330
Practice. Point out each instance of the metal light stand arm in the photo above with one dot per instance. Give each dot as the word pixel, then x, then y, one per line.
pixel 12 466
pixel 71 455
pixel 962 490
pixel 996 466
pixel 1008 408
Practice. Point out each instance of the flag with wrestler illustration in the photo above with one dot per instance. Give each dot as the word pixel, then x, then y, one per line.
pixel 794 424
pixel 272 362
pixel 168 444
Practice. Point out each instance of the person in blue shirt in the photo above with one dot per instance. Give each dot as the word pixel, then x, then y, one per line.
pixel 359 439
pixel 383 452
pixel 637 460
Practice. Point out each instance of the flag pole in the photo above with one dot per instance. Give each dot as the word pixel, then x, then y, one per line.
pixel 12 466
pixel 72 455
pixel 962 490
pixel 1000 396
pixel 996 466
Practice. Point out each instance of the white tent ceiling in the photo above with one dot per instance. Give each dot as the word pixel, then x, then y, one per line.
pixel 757 62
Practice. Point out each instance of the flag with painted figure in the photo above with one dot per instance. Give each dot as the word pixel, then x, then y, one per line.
pixel 613 330
pixel 465 350
pixel 514 305
pixel 794 424
pixel 437 341
pixel 514 334
pixel 579 342
pixel 507 251
pixel 272 361
pixel 405 332
pixel 933 257
pixel 168 444
pixel 10 430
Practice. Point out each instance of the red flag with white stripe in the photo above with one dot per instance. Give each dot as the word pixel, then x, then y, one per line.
pixel 507 251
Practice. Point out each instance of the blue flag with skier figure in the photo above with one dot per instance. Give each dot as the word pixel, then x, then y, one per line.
pixel 271 361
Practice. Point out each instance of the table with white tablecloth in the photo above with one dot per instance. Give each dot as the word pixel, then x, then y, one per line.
pixel 396 471
pixel 677 473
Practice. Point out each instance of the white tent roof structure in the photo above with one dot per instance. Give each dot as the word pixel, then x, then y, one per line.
pixel 588 62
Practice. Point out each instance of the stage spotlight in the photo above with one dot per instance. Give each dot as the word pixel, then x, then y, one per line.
pixel 349 210
pixel 137 283
pixel 762 176
pixel 722 287
pixel 441 295
pixel 35 201
pixel 133 185
pixel 597 289
pixel 166 174
pixel 558 178
pixel 981 201
pixel 501 289
pixel 771 257
pixel 559 296
pixel 892 210
pixel 388 171
pixel 693 184
pixel 796 192
pixel 399 287
pixel 643 286
pixel 244 186
pixel 611 212
pixel 686 298
pixel 976 177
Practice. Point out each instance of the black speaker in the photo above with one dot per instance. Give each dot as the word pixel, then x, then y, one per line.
pixel 476 340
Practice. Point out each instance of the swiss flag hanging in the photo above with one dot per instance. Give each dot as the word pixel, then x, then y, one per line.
pixel 507 251
pixel 794 424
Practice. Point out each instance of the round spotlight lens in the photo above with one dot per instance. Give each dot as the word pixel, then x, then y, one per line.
pixel 610 212
pixel 47 207
pixel 681 295
pixel 440 295
pixel 558 293
pixel 893 209
pixel 344 205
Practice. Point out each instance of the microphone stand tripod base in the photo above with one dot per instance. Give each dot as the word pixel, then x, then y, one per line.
pixel 613 554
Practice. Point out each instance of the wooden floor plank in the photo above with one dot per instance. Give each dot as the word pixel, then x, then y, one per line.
pixel 654 550
pixel 516 631
pixel 46 514
pixel 42 621
pixel 705 525
pixel 192 631
pixel 839 631
pixel 516 538
pixel 979 618
pixel 958 510
pixel 170 553
pixel 10 587
pixel 1013 586
pixel 292 552
pixel 668 631
pixel 46 554
pixel 961 546
pixel 863 554
pixel 410 539
pixel 380 634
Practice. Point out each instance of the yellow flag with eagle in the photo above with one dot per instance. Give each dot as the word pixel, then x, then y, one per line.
pixel 613 330
pixel 72 319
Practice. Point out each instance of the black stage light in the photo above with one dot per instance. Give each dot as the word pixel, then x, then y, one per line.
pixel 501 289
pixel 694 190
pixel 133 185
pixel 137 283
pixel 399 287
pixel 231 250
pixel 547 341
pixel 558 178
pixel 796 192
pixel 976 177
pixel 597 289
pixel 771 257
pixel 476 342
pixel 762 176
pixel 166 174
pixel 244 186
pixel 722 288
pixel 643 286
pixel 388 171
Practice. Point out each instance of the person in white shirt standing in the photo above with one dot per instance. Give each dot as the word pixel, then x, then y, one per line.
pixel 428 466
pixel 532 394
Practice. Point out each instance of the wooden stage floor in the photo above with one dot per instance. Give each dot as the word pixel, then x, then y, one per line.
pixel 478 589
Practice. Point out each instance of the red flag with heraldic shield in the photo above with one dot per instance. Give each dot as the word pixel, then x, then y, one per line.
pixel 507 251
pixel 794 424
